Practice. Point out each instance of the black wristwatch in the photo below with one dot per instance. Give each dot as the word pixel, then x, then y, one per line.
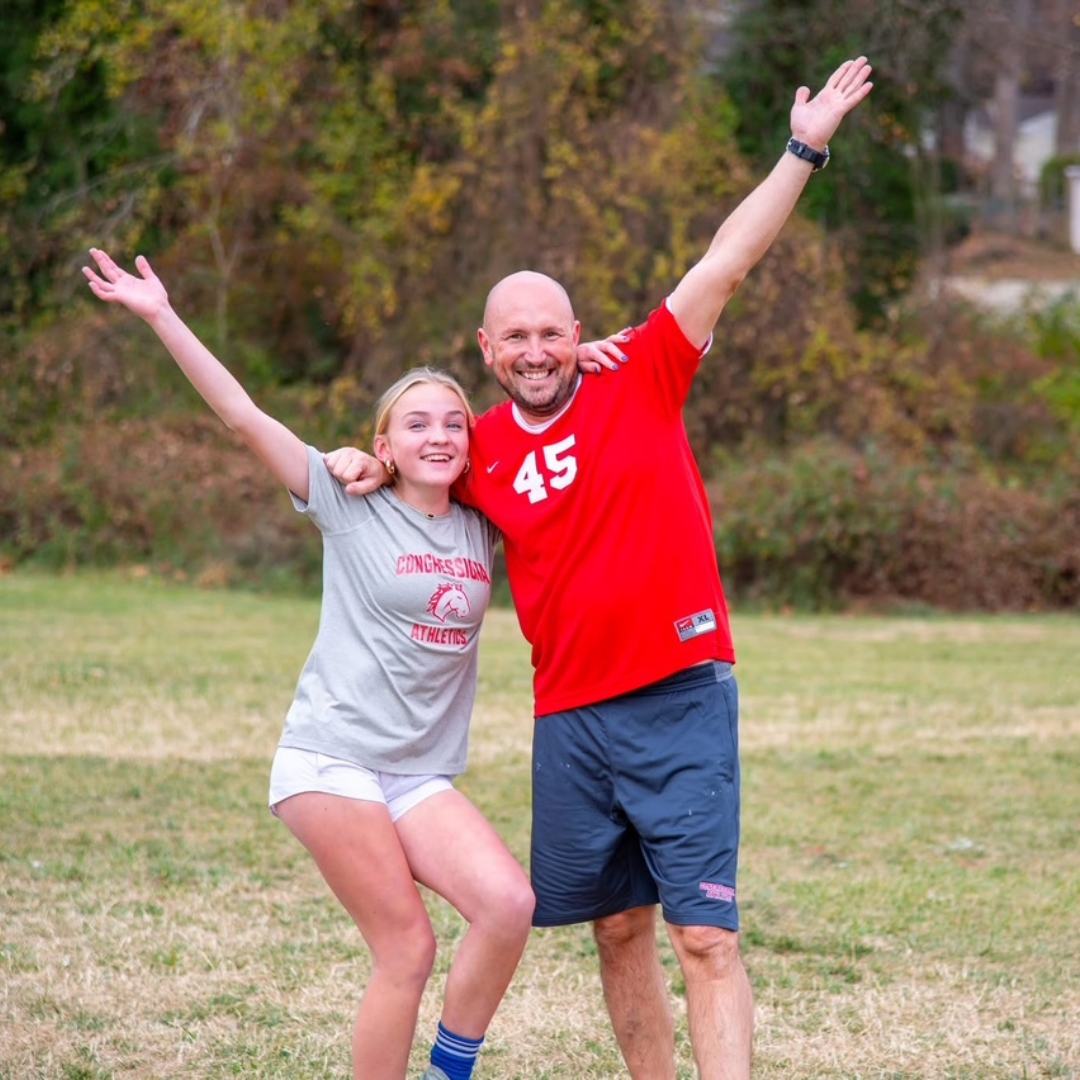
pixel 818 158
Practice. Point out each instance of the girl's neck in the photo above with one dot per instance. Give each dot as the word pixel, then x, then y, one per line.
pixel 431 502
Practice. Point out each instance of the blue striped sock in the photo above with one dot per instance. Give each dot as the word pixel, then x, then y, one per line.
pixel 455 1054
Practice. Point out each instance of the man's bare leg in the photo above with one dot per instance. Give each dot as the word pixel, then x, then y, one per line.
pixel 719 1000
pixel 636 992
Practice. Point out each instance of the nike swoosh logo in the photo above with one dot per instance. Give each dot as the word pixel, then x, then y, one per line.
pixel 492 468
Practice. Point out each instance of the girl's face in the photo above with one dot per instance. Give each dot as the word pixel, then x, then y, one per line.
pixel 427 437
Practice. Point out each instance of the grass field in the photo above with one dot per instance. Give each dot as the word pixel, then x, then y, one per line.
pixel 910 884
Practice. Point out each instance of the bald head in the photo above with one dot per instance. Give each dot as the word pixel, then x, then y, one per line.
pixel 526 288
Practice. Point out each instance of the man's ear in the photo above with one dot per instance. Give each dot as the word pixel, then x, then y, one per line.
pixel 577 332
pixel 485 346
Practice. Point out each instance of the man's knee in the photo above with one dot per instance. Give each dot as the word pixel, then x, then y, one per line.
pixel 717 947
pixel 624 929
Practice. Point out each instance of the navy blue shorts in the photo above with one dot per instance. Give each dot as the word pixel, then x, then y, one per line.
pixel 636 801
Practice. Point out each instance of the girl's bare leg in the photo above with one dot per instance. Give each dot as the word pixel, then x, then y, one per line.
pixel 455 851
pixel 358 851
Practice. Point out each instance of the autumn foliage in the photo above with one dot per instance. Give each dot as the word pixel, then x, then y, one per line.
pixel 330 188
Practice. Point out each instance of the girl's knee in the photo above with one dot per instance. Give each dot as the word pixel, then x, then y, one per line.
pixel 409 959
pixel 505 909
pixel 509 909
pixel 521 904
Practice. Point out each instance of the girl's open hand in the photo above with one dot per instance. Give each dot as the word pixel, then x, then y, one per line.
pixel 145 295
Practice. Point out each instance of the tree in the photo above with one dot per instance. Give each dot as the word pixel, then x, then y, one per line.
pixel 1013 18
pixel 66 149
pixel 1065 30
pixel 585 147
pixel 873 203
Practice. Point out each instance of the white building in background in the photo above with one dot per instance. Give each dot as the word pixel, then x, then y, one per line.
pixel 1035 141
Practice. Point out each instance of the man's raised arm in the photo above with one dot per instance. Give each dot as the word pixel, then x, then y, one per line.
pixel 751 228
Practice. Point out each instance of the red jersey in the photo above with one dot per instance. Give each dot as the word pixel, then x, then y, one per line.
pixel 607 529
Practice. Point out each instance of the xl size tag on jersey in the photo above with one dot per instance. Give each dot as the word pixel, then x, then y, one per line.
pixel 694 625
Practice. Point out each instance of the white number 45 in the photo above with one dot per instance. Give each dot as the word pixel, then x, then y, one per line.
pixel 561 468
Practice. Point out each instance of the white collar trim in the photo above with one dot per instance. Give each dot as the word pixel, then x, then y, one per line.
pixel 539 429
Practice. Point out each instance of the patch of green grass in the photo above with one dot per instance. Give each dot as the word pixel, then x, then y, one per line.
pixel 910 864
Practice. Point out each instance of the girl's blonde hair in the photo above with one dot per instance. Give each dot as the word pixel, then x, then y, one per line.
pixel 416 377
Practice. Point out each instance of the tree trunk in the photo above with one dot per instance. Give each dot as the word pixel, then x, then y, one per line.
pixel 1004 189
pixel 1067 80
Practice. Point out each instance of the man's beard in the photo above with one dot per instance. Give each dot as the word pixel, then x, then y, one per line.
pixel 544 401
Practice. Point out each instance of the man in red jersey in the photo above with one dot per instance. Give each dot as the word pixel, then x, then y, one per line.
pixel 611 560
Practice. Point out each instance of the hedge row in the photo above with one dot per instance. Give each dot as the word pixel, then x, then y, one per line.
pixel 827 526
pixel 823 526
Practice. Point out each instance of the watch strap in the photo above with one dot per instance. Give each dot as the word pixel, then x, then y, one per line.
pixel 818 158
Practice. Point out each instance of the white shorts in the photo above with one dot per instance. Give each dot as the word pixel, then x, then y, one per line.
pixel 296 771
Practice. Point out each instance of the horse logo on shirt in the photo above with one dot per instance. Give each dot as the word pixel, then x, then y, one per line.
pixel 449 598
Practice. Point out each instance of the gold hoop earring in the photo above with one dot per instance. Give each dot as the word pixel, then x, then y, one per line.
pixel 468 466
pixel 391 468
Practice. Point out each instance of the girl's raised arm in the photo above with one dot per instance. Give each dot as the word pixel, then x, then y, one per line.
pixel 282 452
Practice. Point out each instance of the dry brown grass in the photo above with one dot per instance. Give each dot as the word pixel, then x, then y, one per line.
pixel 911 865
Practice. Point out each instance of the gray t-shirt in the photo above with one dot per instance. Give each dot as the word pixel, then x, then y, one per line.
pixel 391 679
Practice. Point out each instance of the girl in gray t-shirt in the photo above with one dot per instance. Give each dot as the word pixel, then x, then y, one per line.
pixel 378 726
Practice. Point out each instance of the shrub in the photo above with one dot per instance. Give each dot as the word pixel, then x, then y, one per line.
pixel 1053 185
pixel 179 494
pixel 826 526
pixel 800 529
